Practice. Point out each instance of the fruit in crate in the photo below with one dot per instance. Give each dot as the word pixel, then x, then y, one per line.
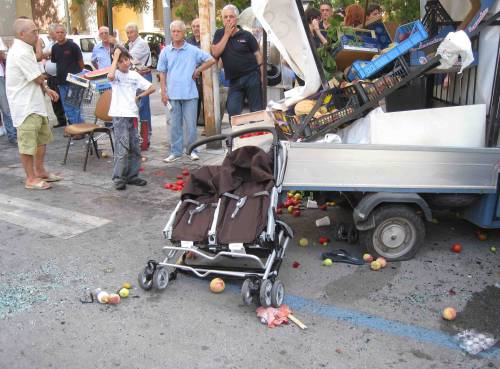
pixel 304 107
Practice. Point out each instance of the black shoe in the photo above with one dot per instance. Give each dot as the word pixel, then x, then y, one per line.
pixel 120 186
pixel 59 125
pixel 137 182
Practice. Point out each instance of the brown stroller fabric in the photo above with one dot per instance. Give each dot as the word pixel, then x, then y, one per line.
pixel 243 212
pixel 199 200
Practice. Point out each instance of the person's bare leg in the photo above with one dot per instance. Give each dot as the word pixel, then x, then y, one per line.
pixel 27 162
pixel 40 171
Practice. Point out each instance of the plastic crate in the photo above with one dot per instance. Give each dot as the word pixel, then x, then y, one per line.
pixel 370 91
pixel 343 102
pixel 406 37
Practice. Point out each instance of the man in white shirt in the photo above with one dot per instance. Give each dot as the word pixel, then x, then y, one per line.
pixel 51 71
pixel 140 52
pixel 25 93
pixel 4 104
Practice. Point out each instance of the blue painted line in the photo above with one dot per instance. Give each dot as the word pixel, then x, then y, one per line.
pixel 391 327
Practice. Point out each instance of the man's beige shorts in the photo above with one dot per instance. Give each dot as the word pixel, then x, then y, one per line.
pixel 33 132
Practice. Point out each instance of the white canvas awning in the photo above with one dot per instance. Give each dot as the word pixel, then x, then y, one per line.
pixel 281 20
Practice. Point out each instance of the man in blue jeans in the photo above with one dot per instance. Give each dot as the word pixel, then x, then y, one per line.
pixel 180 64
pixel 242 60
pixel 4 104
pixel 68 57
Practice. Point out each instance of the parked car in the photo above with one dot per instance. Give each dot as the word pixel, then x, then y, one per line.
pixel 85 42
pixel 156 42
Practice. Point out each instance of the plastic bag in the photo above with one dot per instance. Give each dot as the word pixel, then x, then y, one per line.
pixel 474 342
pixel 454 45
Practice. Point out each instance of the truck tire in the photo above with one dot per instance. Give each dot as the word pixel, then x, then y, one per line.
pixel 398 233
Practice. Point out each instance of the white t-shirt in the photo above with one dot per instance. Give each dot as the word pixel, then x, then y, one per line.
pixel 24 95
pixel 124 89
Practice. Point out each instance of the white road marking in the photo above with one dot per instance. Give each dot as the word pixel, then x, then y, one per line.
pixel 47 219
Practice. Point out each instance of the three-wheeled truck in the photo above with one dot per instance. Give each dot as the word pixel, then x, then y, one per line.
pixel 392 189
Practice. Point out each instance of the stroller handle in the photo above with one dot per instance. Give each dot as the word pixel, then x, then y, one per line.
pixel 230 136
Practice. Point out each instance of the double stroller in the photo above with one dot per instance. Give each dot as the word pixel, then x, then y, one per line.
pixel 225 223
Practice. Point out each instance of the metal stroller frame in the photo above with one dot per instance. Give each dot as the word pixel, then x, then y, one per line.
pixel 260 282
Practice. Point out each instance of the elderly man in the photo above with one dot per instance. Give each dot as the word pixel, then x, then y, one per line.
pixel 25 90
pixel 139 49
pixel 180 64
pixel 243 63
pixel 101 54
pixel 195 41
pixel 51 71
pixel 68 57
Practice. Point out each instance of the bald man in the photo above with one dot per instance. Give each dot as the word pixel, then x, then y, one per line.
pixel 25 92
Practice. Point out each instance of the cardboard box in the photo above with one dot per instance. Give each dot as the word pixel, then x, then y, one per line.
pixel 256 119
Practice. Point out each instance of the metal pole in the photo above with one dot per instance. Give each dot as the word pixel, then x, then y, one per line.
pixel 215 73
pixel 166 21
pixel 110 17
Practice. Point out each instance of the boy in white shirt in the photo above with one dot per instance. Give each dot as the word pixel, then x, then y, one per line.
pixel 123 109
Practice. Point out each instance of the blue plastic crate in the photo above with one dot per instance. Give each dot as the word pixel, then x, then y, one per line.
pixel 407 36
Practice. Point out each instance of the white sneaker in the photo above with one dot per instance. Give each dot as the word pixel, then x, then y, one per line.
pixel 194 156
pixel 171 158
pixel 2 131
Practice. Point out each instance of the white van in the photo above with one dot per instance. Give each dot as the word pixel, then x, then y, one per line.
pixel 85 42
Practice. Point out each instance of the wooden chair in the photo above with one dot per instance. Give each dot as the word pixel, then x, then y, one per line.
pixel 89 129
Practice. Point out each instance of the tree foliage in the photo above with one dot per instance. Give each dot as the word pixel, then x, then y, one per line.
pixel 138 5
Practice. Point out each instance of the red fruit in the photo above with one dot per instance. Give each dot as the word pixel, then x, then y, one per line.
pixel 166 186
pixel 180 182
pixel 141 169
pixel 296 213
pixel 295 264
pixel 323 240
pixel 185 172
pixel 457 248
pixel 279 211
pixel 179 176
pixel 279 206
pixel 323 207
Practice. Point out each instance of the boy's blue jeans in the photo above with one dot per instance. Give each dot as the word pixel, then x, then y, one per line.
pixel 183 111
pixel 72 113
pixel 127 160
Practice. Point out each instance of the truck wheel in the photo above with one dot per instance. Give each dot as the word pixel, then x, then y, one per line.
pixel 397 235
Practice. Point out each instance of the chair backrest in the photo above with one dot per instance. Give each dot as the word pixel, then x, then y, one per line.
pixel 102 106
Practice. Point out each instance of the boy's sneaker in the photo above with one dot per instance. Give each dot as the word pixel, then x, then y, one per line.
pixel 120 186
pixel 171 158
pixel 194 156
pixel 137 182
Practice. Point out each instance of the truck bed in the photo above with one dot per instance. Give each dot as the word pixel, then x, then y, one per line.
pixel 379 168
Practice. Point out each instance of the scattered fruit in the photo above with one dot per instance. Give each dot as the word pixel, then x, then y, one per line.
pixel 103 297
pixel 127 285
pixel 298 196
pixel 367 258
pixel 493 249
pixel 327 262
pixel 217 285
pixel 435 221
pixel 295 264
pixel 114 299
pixel 323 207
pixel 296 213
pixel 185 172
pixel 382 262
pixel 104 154
pixel 141 169
pixel 449 313
pixel 482 236
pixel 124 292
pixel 144 159
pixel 457 248
pixel 180 182
pixel 290 209
pixel 179 176
pixel 303 242
pixel 322 240
pixel 375 265
pixel 279 211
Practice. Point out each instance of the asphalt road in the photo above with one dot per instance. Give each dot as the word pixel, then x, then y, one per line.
pixel 57 245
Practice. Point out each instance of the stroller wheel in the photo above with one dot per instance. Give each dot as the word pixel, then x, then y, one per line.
pixel 145 278
pixel 160 278
pixel 265 292
pixel 246 291
pixel 277 293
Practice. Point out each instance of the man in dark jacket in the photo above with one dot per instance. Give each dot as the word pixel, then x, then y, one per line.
pixel 242 60
pixel 68 57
